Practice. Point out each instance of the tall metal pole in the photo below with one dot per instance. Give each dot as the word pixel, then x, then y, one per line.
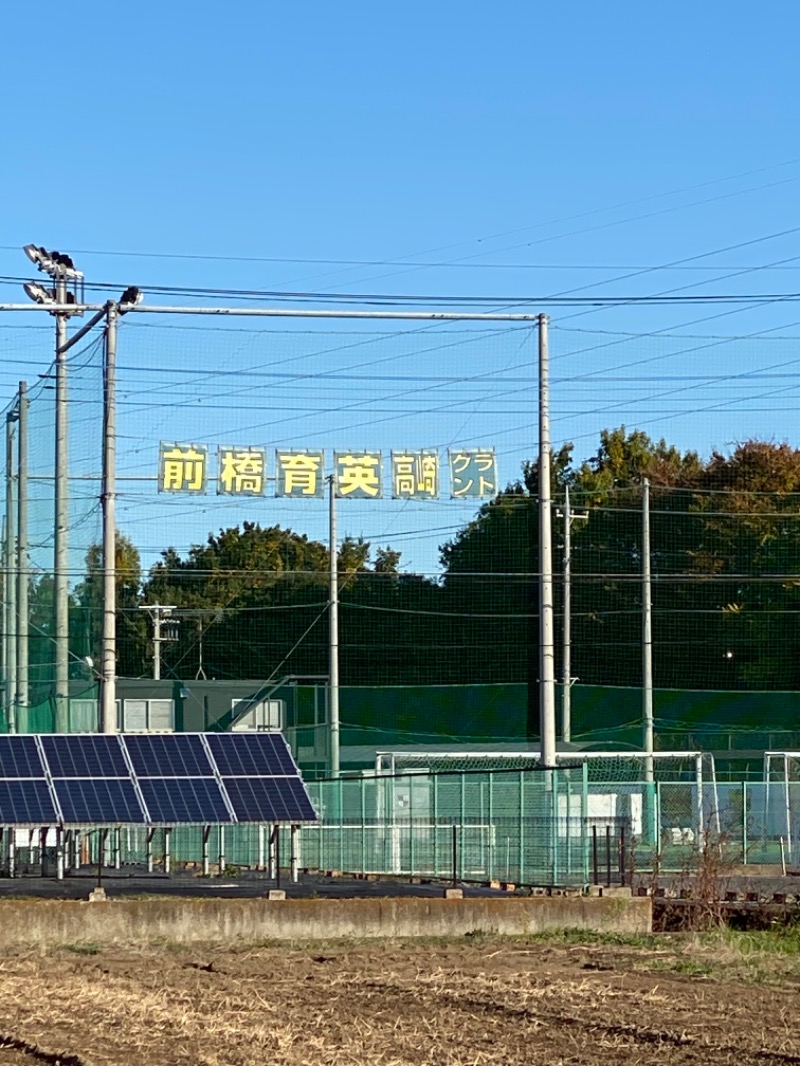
pixel 61 550
pixel 333 639
pixel 23 567
pixel 108 670
pixel 647 636
pixel 566 686
pixel 10 579
pixel 547 685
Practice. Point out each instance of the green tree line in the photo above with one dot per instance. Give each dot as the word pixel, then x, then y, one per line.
pixel 725 557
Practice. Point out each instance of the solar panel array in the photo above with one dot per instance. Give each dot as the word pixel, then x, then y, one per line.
pixel 150 779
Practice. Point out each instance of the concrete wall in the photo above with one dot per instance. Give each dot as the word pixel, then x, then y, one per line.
pixel 48 923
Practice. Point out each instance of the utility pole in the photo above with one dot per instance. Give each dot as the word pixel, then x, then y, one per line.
pixel 547 685
pixel 160 614
pixel 23 567
pixel 567 679
pixel 333 637
pixel 108 667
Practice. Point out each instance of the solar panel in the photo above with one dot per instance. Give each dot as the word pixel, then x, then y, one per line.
pixel 168 755
pixel 84 756
pixel 26 803
pixel 252 754
pixel 19 757
pixel 269 799
pixel 180 801
pixel 103 800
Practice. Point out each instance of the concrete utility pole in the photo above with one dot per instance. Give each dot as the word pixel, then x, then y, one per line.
pixel 108 667
pixel 547 684
pixel 333 637
pixel 159 613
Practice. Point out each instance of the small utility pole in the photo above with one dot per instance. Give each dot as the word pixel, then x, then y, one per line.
pixel 159 613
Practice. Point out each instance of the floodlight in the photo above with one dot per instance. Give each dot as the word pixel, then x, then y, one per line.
pixel 39 294
pixel 56 264
pixel 36 254
pixel 130 298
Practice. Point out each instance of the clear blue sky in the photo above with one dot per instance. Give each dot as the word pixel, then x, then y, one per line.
pixel 607 137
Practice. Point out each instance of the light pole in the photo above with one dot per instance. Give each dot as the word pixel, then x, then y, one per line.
pixel 333 638
pixel 61 269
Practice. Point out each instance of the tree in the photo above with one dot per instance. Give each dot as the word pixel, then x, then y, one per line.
pixel 86 615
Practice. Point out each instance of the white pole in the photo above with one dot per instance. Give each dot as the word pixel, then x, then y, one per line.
pixel 547 700
pixel 333 639
pixel 108 694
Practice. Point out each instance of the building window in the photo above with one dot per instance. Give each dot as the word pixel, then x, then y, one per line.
pixel 146 716
pixel 262 716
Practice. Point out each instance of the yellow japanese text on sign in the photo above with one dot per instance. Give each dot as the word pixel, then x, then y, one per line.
pixel 182 468
pixel 473 473
pixel 358 475
pixel 299 473
pixel 241 471
pixel 415 475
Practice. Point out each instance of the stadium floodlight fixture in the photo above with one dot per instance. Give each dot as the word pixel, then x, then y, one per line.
pixel 38 293
pixel 56 264
pixel 130 298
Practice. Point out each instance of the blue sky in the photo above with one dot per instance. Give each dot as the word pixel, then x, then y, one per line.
pixel 529 150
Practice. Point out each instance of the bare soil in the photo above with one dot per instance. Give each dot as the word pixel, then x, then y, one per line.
pixel 671 1000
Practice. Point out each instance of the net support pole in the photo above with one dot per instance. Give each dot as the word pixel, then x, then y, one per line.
pixel 9 579
pixel 566 655
pixel 647 636
pixel 22 557
pixel 108 672
pixel 294 863
pixel 60 538
pixel 649 825
pixel 333 638
pixel 547 690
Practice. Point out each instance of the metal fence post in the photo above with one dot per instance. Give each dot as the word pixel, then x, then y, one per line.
pixel 744 822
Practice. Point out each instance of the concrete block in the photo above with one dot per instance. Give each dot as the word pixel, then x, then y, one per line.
pixel 616 892
pixel 594 890
pixel 98 895
pixel 492 884
pixel 454 893
pixel 508 886
pixel 276 894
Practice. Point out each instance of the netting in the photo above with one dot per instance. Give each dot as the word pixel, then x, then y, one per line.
pixel 34 563
pixel 441 641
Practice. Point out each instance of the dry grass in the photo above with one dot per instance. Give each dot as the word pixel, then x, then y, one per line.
pixel 453 1004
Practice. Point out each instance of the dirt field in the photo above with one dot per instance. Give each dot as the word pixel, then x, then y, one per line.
pixel 672 1000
